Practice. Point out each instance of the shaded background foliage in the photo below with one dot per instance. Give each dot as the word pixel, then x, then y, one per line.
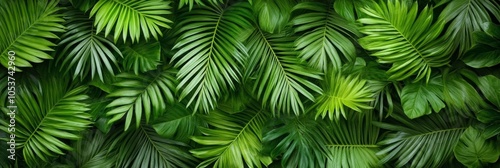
pixel 257 83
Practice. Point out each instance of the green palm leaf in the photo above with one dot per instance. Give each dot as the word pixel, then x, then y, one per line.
pixel 131 18
pixel 26 33
pixel 48 113
pixel 401 35
pixel 427 141
pixel 234 140
pixel 142 57
pixel 143 147
pixel 327 36
pixel 144 94
pixel 85 50
pixel 422 98
pixel 340 91
pixel 281 79
pixel 473 150
pixel 466 17
pixel 209 53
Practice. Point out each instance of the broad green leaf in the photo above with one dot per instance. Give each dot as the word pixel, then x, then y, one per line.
pixel 420 99
pixel 460 96
pixel 474 151
pixel 350 9
pixel 405 37
pixel 28 27
pixel 142 57
pixel 490 87
pixel 178 123
pixel 486 51
pixel 272 16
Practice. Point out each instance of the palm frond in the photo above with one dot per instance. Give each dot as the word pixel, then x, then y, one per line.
pixel 131 18
pixel 85 50
pixel 327 36
pixel 210 54
pixel 427 141
pixel 142 57
pixel 341 91
pixel 400 35
pixel 422 98
pixel 486 49
pixel 352 142
pixel 143 147
pixel 281 79
pixel 473 150
pixel 234 140
pixel 48 113
pixel 145 94
pixel 465 17
pixel 28 34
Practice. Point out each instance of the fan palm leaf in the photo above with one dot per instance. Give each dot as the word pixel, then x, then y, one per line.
pixel 85 50
pixel 28 34
pixel 234 140
pixel 327 36
pixel 210 53
pixel 131 18
pixel 401 35
pixel 144 94
pixel 281 79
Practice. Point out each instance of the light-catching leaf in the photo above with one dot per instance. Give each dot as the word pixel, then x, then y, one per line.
pixel 473 150
pixel 490 87
pixel 420 99
pixel 459 95
pixel 272 16
pixel 486 51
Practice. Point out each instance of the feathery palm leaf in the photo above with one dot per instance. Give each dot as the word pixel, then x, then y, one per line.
pixel 280 77
pixel 327 36
pixel 85 50
pixel 340 91
pixel 210 54
pixel 27 27
pixel 466 17
pixel 352 142
pixel 131 18
pixel 143 147
pixel 422 98
pixel 142 95
pixel 234 140
pixel 427 141
pixel 49 112
pixel 142 57
pixel 486 51
pixel 399 34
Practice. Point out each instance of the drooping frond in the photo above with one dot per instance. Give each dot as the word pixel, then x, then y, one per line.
pixel 131 18
pixel 27 28
pixel 400 35
pixel 210 53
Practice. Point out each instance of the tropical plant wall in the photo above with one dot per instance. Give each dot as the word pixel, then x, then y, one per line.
pixel 257 83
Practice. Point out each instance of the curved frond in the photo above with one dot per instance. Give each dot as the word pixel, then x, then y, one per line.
pixel 427 141
pixel 466 17
pixel 131 18
pixel 327 36
pixel 234 140
pixel 210 54
pixel 143 147
pixel 48 114
pixel 281 79
pixel 400 35
pixel 145 94
pixel 341 91
pixel 142 57
pixel 28 34
pixel 85 50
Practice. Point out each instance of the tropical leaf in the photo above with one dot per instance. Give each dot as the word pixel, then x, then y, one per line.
pixel 83 5
pixel 233 141
pixel 91 151
pixel 26 34
pixel 191 3
pixel 210 54
pixel 422 98
pixel 490 87
pixel 178 123
pixel 352 142
pixel 491 120
pixel 465 17
pixel 143 147
pixel 142 95
pixel 350 9
pixel 85 50
pixel 487 48
pixel 131 18
pixel 281 79
pixel 327 36
pixel 459 95
pixel 401 35
pixel 426 141
pixel 298 141
pixel 341 92
pixel 272 16
pixel 48 113
pixel 473 150
pixel 142 57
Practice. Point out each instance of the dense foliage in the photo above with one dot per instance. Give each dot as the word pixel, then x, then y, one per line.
pixel 257 83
